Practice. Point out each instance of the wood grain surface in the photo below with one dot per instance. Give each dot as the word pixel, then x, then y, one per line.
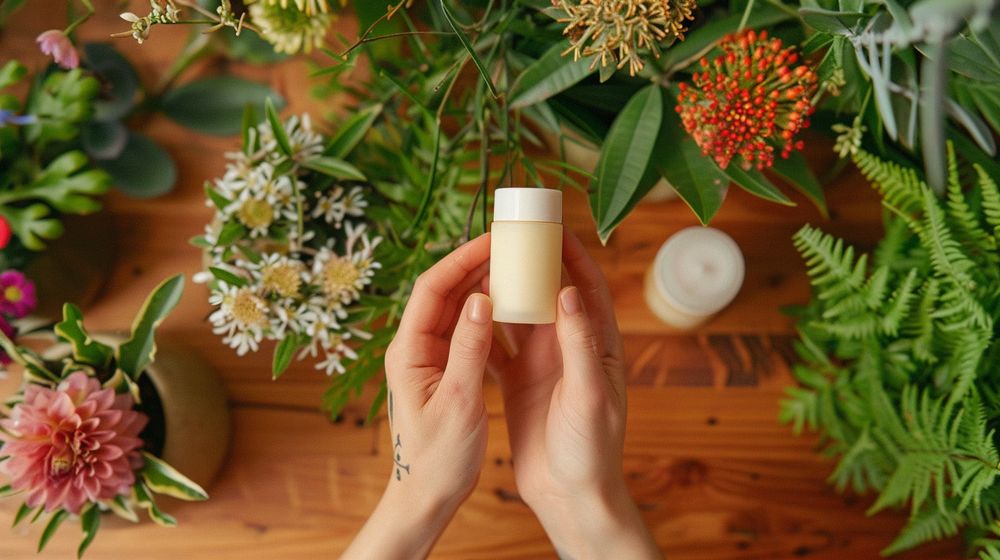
pixel 715 474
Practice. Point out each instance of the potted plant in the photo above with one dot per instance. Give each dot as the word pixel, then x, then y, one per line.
pixel 88 433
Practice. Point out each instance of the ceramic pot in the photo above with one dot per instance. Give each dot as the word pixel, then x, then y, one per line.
pixel 75 267
pixel 190 426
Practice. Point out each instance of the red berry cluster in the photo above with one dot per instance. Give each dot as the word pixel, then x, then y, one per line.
pixel 748 101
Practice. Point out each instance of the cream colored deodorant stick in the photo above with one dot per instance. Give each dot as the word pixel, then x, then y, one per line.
pixel 526 255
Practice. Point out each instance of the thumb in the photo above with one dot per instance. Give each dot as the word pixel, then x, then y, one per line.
pixel 578 342
pixel 470 347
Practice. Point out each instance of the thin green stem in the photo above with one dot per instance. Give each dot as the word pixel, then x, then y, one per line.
pixel 746 15
pixel 80 20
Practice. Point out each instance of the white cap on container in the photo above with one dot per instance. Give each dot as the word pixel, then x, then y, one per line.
pixel 699 270
pixel 531 204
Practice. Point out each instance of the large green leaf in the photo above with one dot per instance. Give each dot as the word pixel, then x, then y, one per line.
pixel 697 179
pixel 215 105
pixel 140 349
pixel 142 169
pixel 119 79
pixel 832 21
pixel 795 170
pixel 164 479
pixel 334 167
pixel 85 349
pixel 754 182
pixel 703 38
pixel 549 75
pixel 625 157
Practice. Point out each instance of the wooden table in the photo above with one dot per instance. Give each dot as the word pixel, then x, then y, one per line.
pixel 715 474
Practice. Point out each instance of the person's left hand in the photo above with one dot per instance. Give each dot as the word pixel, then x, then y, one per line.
pixel 437 415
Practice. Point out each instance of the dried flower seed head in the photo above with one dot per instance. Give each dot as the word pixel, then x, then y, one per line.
pixel 247 308
pixel 616 32
pixel 340 277
pixel 749 101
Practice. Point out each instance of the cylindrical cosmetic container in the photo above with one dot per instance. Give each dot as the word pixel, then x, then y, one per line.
pixel 526 255
pixel 696 274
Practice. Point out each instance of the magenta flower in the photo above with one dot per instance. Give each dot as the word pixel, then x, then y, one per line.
pixel 56 44
pixel 17 294
pixel 72 445
pixel 10 332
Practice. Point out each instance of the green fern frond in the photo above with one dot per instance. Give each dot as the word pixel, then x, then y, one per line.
pixel 899 186
pixel 929 524
pixel 991 197
pixel 980 245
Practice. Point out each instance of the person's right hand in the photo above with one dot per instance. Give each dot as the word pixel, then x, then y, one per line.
pixel 565 404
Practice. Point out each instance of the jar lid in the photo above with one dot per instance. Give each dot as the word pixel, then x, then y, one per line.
pixel 699 270
pixel 531 204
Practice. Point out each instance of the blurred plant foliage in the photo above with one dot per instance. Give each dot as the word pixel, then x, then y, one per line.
pixel 899 372
pixel 916 73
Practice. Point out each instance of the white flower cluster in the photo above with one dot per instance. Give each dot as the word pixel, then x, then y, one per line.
pixel 288 253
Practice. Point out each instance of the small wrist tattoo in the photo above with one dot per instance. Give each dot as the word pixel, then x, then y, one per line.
pixel 397 448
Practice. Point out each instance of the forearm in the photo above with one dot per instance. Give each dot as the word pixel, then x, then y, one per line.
pixel 401 527
pixel 599 527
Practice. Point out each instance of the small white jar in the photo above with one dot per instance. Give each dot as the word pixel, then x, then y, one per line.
pixel 696 274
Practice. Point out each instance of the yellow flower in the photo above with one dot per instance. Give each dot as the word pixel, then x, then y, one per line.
pixel 256 214
pixel 283 277
pixel 341 278
pixel 247 308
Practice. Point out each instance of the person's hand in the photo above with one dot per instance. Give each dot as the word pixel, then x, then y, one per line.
pixel 564 395
pixel 437 416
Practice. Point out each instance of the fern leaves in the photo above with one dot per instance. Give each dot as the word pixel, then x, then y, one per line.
pixel 900 359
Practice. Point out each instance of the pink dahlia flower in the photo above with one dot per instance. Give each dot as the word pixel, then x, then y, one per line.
pixel 17 294
pixel 56 44
pixel 72 445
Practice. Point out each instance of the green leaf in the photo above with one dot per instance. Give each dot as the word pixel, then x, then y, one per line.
pixel 352 131
pixel 85 349
pixel 121 83
pixel 103 139
pixel 833 22
pixel 464 39
pixel 230 233
pixel 11 73
pixel 700 40
pixel 249 130
pixel 142 169
pixel 215 105
pixel 123 508
pixel 90 521
pixel 22 513
pixel 697 179
pixel 143 498
pixel 227 277
pixel 217 199
pixel 140 349
pixel 164 479
pixel 50 529
pixel 32 224
pixel 334 167
pixel 6 490
pixel 551 74
pixel 624 158
pixel 283 354
pixel 277 128
pixel 795 170
pixel 755 183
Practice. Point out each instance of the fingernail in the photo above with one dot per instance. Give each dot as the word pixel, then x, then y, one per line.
pixel 479 309
pixel 570 299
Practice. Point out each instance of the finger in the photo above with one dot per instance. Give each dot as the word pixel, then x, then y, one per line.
pixel 433 288
pixel 587 276
pixel 470 349
pixel 582 369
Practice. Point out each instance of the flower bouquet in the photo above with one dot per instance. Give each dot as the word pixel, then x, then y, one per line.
pixel 289 250
pixel 77 440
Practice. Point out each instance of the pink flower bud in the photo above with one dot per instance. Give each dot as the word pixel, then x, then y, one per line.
pixel 56 44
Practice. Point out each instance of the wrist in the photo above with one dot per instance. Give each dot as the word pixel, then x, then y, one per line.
pixel 405 524
pixel 604 523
